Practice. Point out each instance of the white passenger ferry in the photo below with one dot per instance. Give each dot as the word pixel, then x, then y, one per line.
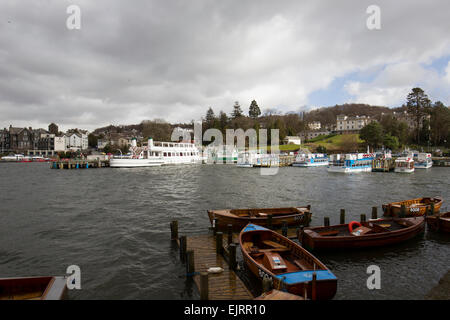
pixel 157 154
pixel 422 161
pixel 311 160
pixel 404 165
pixel 355 162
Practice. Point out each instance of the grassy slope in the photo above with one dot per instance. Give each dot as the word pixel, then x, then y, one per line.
pixel 330 142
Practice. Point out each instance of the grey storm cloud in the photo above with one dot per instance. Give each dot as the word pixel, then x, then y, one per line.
pixel 136 60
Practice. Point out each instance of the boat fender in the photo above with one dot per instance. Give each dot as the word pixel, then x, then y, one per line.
pixel 215 270
pixel 352 224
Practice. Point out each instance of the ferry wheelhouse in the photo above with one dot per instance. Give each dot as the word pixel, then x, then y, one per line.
pixel 404 165
pixel 311 160
pixel 422 161
pixel 355 162
pixel 157 154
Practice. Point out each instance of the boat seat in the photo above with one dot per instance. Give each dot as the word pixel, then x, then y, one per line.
pixel 302 265
pixel 274 245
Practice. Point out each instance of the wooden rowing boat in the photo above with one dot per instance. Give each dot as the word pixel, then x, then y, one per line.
pixel 374 233
pixel 270 255
pixel 239 218
pixel 439 222
pixel 413 207
pixel 33 288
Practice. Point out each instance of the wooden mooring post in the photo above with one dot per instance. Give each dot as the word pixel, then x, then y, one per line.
pixel 204 286
pixel 326 221
pixel 342 217
pixel 174 229
pixel 363 218
pixel 374 213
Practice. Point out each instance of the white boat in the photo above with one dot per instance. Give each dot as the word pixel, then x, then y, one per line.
pixel 157 154
pixel 404 165
pixel 311 160
pixel 354 162
pixel 423 161
pixel 222 154
pixel 13 157
pixel 248 159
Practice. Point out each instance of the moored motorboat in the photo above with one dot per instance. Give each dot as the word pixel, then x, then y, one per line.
pixel 413 207
pixel 239 218
pixel 439 222
pixel 357 162
pixel 286 264
pixel 373 233
pixel 33 288
pixel 311 160
pixel 404 165
pixel 422 161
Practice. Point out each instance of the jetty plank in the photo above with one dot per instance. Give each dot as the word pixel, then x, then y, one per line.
pixel 225 285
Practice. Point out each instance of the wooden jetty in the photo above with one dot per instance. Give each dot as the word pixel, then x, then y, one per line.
pixel 79 164
pixel 209 251
pixel 441 161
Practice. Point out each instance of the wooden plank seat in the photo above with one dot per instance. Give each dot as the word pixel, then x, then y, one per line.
pixel 301 264
pixel 274 244
pixel 329 233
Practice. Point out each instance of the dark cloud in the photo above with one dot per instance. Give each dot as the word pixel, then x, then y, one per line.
pixel 135 60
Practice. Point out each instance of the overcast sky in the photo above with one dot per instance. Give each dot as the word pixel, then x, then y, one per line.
pixel 135 60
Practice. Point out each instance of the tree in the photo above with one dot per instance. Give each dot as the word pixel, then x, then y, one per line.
pixel 390 142
pixel 210 116
pixel 418 106
pixel 92 140
pixel 223 120
pixel 237 111
pixel 372 134
pixel 440 118
pixel 254 111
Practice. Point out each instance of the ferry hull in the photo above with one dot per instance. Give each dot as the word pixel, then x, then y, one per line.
pixel 404 170
pixel 134 163
pixel 349 170
pixel 423 165
pixel 304 164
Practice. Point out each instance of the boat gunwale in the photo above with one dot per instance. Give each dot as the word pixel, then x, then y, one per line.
pixel 316 236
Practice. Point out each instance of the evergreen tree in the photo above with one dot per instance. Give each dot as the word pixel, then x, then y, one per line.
pixel 254 111
pixel 372 134
pixel 418 106
pixel 237 111
pixel 210 116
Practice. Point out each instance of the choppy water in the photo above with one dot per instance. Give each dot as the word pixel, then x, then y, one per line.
pixel 114 224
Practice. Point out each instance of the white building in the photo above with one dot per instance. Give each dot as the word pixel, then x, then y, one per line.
pixel 76 141
pixel 315 125
pixel 351 124
pixel 292 140
pixel 60 143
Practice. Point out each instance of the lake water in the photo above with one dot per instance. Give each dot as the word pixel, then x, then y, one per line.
pixel 114 224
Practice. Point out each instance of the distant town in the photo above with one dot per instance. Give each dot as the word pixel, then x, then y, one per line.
pixel 341 128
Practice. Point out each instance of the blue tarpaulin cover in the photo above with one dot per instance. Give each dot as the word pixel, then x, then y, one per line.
pixel 305 276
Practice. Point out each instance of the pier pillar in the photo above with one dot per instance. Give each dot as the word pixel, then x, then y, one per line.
pixel 204 286
pixel 363 218
pixel 215 225
pixel 266 284
pixel 313 287
pixel 174 229
pixel 326 221
pixel 342 218
pixel 219 244
pixel 190 265
pixel 432 208
pixel 230 234
pixel 232 262
pixel 183 248
pixel 402 211
pixel 374 213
